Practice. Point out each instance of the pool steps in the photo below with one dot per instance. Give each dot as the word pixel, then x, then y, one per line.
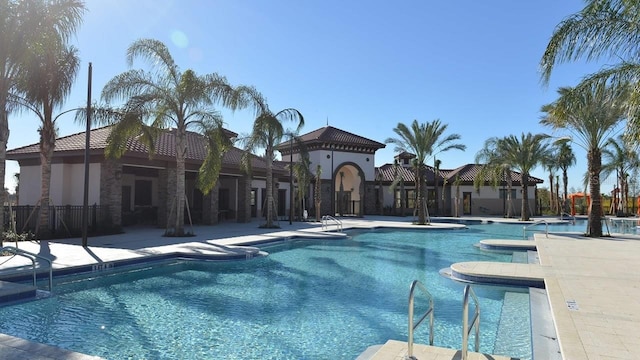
pixel 399 350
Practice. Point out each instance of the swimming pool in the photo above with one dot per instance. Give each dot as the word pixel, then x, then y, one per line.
pixel 306 300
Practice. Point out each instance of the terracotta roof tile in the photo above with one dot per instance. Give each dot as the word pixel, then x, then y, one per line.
pixel 466 172
pixel 165 147
pixel 332 135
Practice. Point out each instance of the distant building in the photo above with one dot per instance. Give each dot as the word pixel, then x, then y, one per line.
pixel 138 188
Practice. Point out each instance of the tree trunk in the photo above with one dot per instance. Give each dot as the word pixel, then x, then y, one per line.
pixel 509 200
pixel 551 194
pixel 4 138
pixel 181 153
pixel 47 144
pixel 270 202
pixel 594 158
pixel 422 219
pixel 525 198
pixel 565 183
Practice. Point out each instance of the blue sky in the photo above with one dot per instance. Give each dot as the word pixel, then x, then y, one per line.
pixel 362 66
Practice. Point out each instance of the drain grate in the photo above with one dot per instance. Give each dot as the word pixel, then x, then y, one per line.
pixel 572 305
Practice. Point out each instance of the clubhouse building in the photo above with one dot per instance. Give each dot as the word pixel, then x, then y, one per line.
pixel 139 187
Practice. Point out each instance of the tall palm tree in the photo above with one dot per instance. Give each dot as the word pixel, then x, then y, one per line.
pixel 566 159
pixel 397 186
pixel 27 28
pixel 521 154
pixel 423 140
pixel 166 97
pixel 550 165
pixel 603 30
pixel 45 86
pixel 268 131
pixel 494 166
pixel 591 116
pixel 620 157
pixel 302 173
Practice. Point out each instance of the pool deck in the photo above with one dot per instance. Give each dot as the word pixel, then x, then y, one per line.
pixel 592 284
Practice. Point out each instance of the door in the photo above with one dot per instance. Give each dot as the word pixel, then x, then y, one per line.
pixel 466 203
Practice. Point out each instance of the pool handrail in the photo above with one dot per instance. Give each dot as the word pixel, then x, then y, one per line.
pixel 325 222
pixel 475 322
pixel 572 217
pixel 31 256
pixel 416 284
pixel 546 228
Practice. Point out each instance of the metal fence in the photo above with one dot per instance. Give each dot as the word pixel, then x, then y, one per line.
pixel 64 221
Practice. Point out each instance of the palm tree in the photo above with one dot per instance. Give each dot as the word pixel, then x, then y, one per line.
pixel 398 181
pixel 29 30
pixel 423 140
pixel 591 117
pixel 566 159
pixel 303 175
pixel 551 165
pixel 603 29
pixel 166 97
pixel 45 87
pixel 619 156
pixel 493 166
pixel 268 131
pixel 521 154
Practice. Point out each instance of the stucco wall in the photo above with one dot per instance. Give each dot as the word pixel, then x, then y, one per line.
pixel 67 184
pixel 320 157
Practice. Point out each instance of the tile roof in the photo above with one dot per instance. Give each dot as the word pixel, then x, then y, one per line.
pixel 332 135
pixel 466 172
pixel 165 147
pixel 469 172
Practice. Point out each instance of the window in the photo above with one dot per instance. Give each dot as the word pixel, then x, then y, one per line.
pixel 503 193
pixel 411 199
pixel 143 193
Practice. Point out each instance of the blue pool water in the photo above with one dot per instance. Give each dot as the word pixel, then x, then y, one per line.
pixel 306 300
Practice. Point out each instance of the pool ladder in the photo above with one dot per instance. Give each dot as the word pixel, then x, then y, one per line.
pixel 33 257
pixel 328 218
pixel 469 294
pixel 546 228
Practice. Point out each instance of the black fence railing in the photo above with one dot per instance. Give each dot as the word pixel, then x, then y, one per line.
pixel 64 221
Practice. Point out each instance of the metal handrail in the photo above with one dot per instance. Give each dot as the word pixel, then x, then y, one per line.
pixel 325 222
pixel 573 217
pixel 31 256
pixel 412 327
pixel 546 228
pixel 475 323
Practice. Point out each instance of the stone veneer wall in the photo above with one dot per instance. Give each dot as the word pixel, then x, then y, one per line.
pixel 326 197
pixel 111 190
pixel 370 199
pixel 244 199
pixel 166 194
pixel 210 206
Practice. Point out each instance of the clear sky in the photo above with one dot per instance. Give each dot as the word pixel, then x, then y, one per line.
pixel 361 66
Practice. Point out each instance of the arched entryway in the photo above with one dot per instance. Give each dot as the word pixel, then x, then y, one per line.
pixel 349 182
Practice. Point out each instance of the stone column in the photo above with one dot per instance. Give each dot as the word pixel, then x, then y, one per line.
pixel 210 203
pixel 244 199
pixel 166 196
pixel 111 192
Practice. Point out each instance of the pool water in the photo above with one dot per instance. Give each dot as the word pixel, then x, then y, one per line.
pixel 306 300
